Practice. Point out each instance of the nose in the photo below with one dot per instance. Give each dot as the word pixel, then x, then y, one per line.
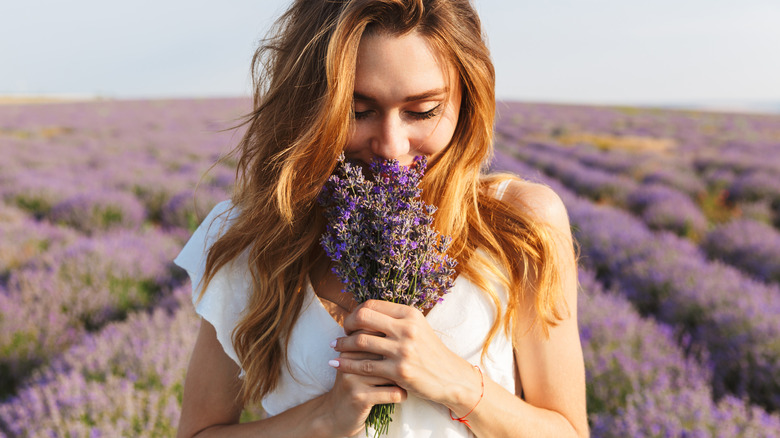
pixel 390 140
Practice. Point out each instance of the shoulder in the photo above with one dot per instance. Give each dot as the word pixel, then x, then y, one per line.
pixel 215 224
pixel 220 216
pixel 193 255
pixel 539 202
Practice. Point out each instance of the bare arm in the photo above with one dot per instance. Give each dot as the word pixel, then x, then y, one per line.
pixel 552 371
pixel 210 406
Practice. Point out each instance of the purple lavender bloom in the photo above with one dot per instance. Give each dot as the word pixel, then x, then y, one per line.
pixel 50 300
pixel 187 209
pixel 99 210
pixel 734 317
pixel 748 245
pixel 32 330
pixel 719 178
pixel 684 219
pixel 641 383
pixel 615 161
pixel 24 239
pixel 36 192
pixel 679 179
pixel 593 183
pixel 757 185
pixel 668 411
pixel 665 208
pixel 627 354
pixel 379 234
pixel 124 380
pixel 648 194
pixel 718 308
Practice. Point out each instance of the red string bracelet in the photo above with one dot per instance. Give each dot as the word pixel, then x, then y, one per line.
pixel 463 418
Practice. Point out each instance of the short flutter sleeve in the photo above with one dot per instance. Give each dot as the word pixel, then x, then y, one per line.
pixel 227 294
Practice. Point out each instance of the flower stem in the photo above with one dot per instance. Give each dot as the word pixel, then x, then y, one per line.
pixel 379 418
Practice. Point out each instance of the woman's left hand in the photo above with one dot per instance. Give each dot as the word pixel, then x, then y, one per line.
pixel 413 356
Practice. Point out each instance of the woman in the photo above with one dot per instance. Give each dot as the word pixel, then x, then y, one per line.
pixel 500 356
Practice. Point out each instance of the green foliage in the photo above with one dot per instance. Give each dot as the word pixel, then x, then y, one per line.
pixel 715 206
pixel 109 216
pixel 36 205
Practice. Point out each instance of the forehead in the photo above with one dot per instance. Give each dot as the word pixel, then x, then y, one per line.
pixel 398 65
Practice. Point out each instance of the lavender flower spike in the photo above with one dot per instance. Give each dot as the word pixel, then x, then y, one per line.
pixel 380 236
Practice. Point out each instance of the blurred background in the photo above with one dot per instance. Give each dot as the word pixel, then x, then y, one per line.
pixel 692 53
pixel 124 152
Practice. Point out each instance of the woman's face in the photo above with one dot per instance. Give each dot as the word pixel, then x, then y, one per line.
pixel 404 103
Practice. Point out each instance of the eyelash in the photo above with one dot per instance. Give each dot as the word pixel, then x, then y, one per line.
pixel 360 115
pixel 433 112
pixel 425 115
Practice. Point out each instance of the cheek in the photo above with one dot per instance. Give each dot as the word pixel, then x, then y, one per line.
pixel 356 138
pixel 440 138
pixel 436 143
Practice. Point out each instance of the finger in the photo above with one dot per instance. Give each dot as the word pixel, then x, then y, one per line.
pixel 371 316
pixel 361 355
pixel 368 380
pixel 376 368
pixel 369 332
pixel 393 310
pixel 386 394
pixel 367 343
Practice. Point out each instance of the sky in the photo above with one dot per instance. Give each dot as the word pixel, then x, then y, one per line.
pixel 660 52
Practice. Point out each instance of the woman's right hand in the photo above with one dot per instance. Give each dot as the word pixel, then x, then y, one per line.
pixel 352 397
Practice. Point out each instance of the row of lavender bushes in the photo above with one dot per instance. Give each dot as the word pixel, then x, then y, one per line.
pixel 126 380
pixel 72 284
pixel 96 327
pixel 659 206
pixel 734 143
pixel 98 166
pixel 640 383
pixel 95 201
pixel 667 193
pixel 723 317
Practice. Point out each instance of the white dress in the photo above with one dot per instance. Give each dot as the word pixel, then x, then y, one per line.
pixel 462 322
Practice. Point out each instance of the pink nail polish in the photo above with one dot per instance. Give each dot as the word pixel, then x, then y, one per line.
pixel 333 344
pixel 333 363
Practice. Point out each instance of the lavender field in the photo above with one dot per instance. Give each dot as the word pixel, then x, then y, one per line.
pixel 677 215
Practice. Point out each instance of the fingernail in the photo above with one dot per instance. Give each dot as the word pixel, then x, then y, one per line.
pixel 333 363
pixel 333 344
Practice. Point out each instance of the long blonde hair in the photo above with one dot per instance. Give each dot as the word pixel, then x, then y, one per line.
pixel 304 80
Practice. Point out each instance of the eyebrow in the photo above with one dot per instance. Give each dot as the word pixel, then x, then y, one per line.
pixel 422 96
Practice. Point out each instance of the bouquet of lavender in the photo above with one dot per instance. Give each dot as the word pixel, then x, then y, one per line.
pixel 380 237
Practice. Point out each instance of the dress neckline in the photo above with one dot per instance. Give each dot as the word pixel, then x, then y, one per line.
pixel 318 302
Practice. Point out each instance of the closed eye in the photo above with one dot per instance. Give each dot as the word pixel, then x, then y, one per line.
pixel 433 112
pixel 359 115
pixel 417 115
